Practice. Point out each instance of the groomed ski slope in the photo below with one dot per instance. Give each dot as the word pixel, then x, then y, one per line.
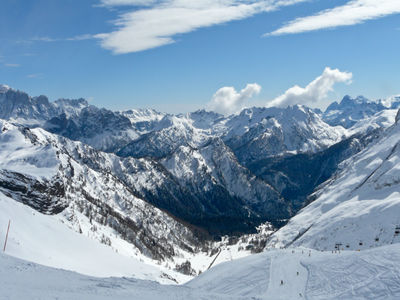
pixel 369 274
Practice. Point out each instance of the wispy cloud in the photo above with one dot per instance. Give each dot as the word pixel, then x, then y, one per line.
pixel 47 39
pixel 43 39
pixel 80 37
pixel 12 65
pixel 158 24
pixel 127 2
pixel 354 12
pixel 228 101
pixel 34 75
pixel 315 91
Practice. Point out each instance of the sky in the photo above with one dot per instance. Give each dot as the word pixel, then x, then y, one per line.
pixel 183 55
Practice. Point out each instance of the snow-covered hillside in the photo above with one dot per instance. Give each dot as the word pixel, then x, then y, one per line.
pixel 380 120
pixel 359 208
pixel 297 273
pixel 49 240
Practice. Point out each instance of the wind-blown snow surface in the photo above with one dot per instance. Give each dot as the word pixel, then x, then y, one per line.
pixel 305 274
pixel 358 208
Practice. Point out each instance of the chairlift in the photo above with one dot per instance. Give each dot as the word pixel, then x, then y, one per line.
pixel 337 246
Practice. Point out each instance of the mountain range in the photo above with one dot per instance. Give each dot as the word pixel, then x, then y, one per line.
pixel 165 188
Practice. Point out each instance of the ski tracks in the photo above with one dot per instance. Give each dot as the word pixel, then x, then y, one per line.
pixel 288 277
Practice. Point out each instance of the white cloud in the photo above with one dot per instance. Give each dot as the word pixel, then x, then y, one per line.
pixel 354 12
pixel 156 25
pixel 228 101
pixel 315 91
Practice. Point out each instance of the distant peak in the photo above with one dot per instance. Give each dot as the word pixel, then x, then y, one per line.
pixel 347 100
pixel 4 88
pixel 361 99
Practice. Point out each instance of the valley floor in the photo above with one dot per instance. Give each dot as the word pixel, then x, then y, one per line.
pixel 297 273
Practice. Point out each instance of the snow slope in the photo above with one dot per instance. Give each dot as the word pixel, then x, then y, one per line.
pixel 49 241
pixel 306 274
pixel 358 208
pixel 24 280
pixel 382 119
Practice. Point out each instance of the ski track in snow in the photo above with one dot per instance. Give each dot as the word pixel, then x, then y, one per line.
pixel 370 274
pixel 285 268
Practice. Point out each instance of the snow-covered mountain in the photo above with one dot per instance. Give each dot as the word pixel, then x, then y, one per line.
pixel 214 171
pixel 100 196
pixel 54 175
pixel 260 133
pixel 224 174
pixel 170 133
pixel 358 208
pixel 100 128
pixel 19 106
pixel 147 192
pixel 208 154
pixel 351 110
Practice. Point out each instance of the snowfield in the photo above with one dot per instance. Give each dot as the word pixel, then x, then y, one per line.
pixel 306 274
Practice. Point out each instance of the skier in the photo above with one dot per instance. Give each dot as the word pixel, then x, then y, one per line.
pixel 281 282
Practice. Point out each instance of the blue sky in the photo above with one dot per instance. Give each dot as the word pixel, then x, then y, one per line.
pixel 182 55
